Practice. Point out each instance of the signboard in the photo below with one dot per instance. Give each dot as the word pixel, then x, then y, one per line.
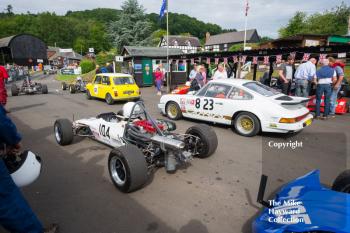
pixel 67 71
pixel 309 43
pixel 40 60
pixel 91 50
pixel 138 68
pixel 119 58
pixel 66 50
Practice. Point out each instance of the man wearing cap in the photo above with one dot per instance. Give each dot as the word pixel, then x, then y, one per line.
pixel 324 78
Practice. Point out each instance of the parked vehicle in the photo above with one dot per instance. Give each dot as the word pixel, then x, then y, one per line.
pixel 113 87
pixel 140 143
pixel 249 107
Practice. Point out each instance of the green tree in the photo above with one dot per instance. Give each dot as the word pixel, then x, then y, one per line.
pixel 239 47
pixel 133 28
pixel 334 21
pixel 295 25
pixel 156 36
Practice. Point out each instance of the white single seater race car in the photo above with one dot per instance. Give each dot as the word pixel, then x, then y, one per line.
pixel 248 106
pixel 140 143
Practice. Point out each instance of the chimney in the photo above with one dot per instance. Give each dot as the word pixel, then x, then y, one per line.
pixel 207 35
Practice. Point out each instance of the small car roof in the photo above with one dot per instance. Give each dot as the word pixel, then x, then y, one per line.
pixel 117 75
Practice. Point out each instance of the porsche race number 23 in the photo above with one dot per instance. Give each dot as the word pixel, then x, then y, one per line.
pixel 206 104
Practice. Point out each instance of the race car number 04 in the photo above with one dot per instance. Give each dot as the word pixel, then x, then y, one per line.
pixel 208 104
pixel 104 131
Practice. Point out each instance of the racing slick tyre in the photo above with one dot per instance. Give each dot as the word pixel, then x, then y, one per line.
pixel 64 86
pixel 44 89
pixel 127 168
pixel 208 140
pixel 71 89
pixel 88 95
pixel 173 111
pixel 246 124
pixel 342 182
pixel 14 90
pixel 109 99
pixel 63 130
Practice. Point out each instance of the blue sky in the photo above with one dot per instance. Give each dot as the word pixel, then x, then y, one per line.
pixel 266 16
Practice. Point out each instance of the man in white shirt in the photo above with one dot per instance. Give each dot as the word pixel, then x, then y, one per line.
pixel 193 72
pixel 303 76
pixel 220 73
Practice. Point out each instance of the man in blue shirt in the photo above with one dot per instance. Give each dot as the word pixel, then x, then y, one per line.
pixel 324 78
pixel 337 84
pixel 303 76
pixel 15 213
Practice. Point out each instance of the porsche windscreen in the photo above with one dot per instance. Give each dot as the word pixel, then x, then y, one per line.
pixel 123 80
pixel 261 89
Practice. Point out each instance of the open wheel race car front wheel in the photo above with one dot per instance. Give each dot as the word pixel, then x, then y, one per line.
pixel 14 90
pixel 342 182
pixel 208 141
pixel 127 168
pixel 63 132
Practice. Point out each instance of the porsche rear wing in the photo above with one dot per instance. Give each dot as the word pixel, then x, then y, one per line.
pixel 295 102
pixel 261 193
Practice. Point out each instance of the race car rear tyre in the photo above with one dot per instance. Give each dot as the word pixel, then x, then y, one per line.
pixel 173 111
pixel 109 99
pixel 88 95
pixel 44 89
pixel 72 89
pixel 63 130
pixel 342 182
pixel 127 168
pixel 208 140
pixel 64 86
pixel 14 90
pixel 246 124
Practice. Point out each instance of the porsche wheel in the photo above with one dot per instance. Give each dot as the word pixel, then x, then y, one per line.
pixel 342 182
pixel 127 168
pixel 208 141
pixel 246 124
pixel 173 111
pixel 63 132
pixel 109 99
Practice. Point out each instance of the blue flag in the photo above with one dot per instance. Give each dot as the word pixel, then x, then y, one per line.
pixel 162 9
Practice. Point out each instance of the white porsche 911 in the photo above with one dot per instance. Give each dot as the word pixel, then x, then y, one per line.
pixel 248 106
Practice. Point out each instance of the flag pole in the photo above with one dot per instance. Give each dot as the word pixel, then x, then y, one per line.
pixel 167 47
pixel 245 26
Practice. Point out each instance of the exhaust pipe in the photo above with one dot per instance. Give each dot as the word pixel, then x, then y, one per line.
pixel 168 142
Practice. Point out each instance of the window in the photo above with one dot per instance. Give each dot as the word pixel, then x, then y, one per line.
pixel 106 80
pixel 239 94
pixel 123 80
pixel 218 91
pixel 261 89
pixel 225 45
pixel 216 48
pixel 202 91
pixel 97 80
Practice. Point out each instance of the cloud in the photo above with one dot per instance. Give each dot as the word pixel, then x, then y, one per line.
pixel 266 16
